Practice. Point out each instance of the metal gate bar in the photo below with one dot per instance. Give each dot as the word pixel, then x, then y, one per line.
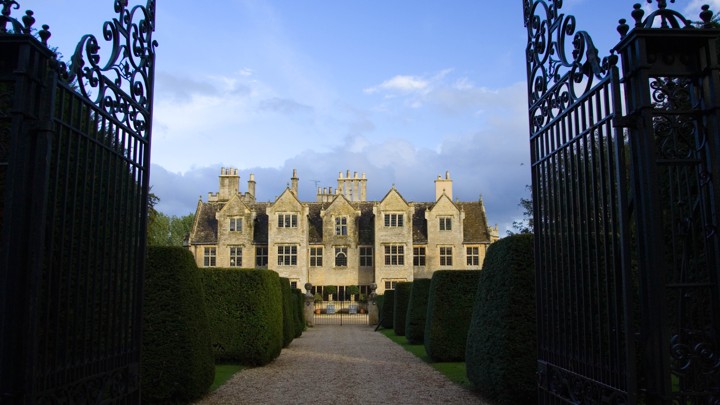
pixel 340 313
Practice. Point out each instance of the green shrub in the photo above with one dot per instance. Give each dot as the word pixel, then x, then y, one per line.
pixel 245 309
pixel 417 311
pixel 330 290
pixel 450 306
pixel 288 311
pixel 177 360
pixel 386 314
pixel 402 296
pixel 299 309
pixel 379 301
pixel 501 349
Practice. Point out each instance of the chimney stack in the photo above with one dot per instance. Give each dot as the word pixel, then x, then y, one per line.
pixel 443 186
pixel 294 180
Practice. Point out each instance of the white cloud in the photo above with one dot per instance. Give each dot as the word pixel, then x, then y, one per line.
pixel 492 160
pixel 401 83
pixel 451 95
pixel 693 9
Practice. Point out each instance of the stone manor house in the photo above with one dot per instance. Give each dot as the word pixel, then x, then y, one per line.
pixel 341 239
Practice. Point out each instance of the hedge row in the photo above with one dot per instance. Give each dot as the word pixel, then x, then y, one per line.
pixel 177 360
pixel 450 307
pixel 299 305
pixel 245 310
pixel 402 296
pixel 288 311
pixel 501 349
pixel 417 311
pixel 388 306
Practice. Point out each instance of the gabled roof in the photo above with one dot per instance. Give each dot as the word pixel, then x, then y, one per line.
pixel 286 192
pixel 393 190
pixel 206 226
pixel 475 228
pixel 444 197
pixel 235 201
pixel 315 223
pixel 339 201
pixel 366 223
pixel 420 223
pixel 474 214
pixel 260 228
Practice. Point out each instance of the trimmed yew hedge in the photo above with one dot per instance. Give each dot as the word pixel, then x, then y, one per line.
pixel 245 310
pixel 450 307
pixel 299 306
pixel 177 361
pixel 386 312
pixel 501 350
pixel 288 311
pixel 402 296
pixel 417 311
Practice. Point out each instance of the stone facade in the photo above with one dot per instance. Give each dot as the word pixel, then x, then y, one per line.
pixel 340 239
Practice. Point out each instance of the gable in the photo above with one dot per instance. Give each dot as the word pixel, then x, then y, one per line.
pixel 286 202
pixel 234 207
pixel 340 206
pixel 444 206
pixel 393 201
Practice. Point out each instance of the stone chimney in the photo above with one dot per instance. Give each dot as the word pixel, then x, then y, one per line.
pixel 354 188
pixel 443 186
pixel 294 183
pixel 251 186
pixel 229 183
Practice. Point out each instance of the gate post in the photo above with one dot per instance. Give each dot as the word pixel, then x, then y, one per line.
pixel 373 311
pixel 309 307
pixel 671 82
pixel 27 87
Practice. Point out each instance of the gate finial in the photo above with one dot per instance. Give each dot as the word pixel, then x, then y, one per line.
pixel 662 4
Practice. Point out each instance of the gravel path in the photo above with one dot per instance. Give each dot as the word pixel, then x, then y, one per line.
pixel 345 365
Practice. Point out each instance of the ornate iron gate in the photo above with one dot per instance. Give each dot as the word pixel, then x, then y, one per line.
pixel 626 242
pixel 340 313
pixel 74 169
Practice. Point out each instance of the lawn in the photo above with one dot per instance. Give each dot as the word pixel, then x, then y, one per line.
pixel 223 372
pixel 454 371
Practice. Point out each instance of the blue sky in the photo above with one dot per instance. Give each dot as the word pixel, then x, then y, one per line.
pixel 401 90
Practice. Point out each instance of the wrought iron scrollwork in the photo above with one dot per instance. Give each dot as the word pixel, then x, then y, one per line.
pixel 22 26
pixel 120 85
pixel 664 17
pixel 577 389
pixel 102 388
pixel 563 62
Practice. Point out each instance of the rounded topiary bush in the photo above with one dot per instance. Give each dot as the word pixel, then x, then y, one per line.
pixel 402 296
pixel 450 306
pixel 288 310
pixel 388 306
pixel 501 349
pixel 245 310
pixel 177 361
pixel 417 311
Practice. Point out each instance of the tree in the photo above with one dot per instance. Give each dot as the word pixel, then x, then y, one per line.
pixel 166 230
pixel 524 225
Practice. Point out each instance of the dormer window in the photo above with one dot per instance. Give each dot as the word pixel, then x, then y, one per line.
pixel 394 220
pixel 287 220
pixel 341 226
pixel 236 224
pixel 446 223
